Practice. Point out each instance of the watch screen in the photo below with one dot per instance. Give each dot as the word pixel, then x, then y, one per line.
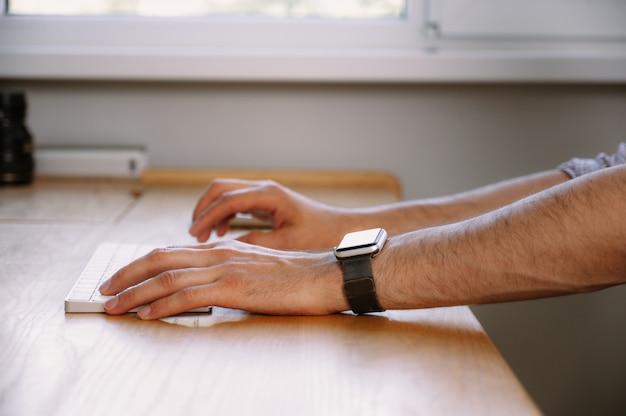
pixel 359 239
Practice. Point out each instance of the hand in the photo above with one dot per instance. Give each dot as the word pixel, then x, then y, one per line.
pixel 297 221
pixel 229 274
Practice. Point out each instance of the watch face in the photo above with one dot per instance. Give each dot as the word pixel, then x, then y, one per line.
pixel 361 242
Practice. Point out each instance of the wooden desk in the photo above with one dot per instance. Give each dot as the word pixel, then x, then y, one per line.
pixel 437 361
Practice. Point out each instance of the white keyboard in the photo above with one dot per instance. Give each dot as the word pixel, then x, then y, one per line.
pixel 106 260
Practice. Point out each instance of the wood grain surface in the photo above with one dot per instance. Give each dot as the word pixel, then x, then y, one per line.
pixel 432 361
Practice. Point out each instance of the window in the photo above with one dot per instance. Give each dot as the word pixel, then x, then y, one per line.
pixel 316 40
pixel 351 9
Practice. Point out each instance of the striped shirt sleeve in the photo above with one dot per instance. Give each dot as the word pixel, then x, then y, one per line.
pixel 577 167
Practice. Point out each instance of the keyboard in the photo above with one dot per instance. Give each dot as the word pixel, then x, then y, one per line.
pixel 84 297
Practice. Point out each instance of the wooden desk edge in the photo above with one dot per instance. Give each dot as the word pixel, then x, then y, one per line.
pixel 289 178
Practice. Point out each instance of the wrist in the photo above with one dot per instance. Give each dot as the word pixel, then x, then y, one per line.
pixel 355 253
pixel 333 296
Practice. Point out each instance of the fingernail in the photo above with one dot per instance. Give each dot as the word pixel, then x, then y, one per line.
pixel 144 312
pixel 111 303
pixel 104 287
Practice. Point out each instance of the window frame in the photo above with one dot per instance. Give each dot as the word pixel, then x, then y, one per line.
pixel 289 50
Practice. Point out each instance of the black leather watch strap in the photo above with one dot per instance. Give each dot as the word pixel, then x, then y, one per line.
pixel 358 284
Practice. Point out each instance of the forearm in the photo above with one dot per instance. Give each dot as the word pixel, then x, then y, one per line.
pixel 407 216
pixel 566 239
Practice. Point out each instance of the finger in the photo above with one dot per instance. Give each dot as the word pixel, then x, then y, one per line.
pixel 204 236
pixel 215 189
pixel 230 203
pixel 212 191
pixel 161 286
pixel 222 228
pixel 178 302
pixel 153 263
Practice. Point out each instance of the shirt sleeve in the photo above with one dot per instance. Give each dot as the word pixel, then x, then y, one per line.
pixel 577 167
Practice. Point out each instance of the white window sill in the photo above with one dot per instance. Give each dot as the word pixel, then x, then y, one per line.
pixel 298 65
pixel 41 48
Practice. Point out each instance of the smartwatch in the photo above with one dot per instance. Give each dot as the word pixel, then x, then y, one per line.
pixel 355 252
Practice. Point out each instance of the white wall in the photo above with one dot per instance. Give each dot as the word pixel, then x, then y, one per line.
pixel 438 139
